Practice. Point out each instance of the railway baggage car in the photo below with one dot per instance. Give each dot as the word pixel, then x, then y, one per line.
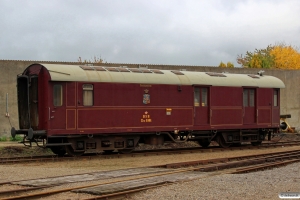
pixel 73 109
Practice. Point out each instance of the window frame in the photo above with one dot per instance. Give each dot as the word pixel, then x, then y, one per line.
pixel 57 95
pixel 201 96
pixel 275 98
pixel 85 93
pixel 249 97
pixel 196 96
pixel 204 97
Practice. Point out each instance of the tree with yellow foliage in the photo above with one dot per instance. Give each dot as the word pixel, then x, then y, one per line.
pixel 260 58
pixel 229 64
pixel 279 56
pixel 222 64
pixel 285 57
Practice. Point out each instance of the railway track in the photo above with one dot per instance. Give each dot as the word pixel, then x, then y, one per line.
pixel 132 180
pixel 89 156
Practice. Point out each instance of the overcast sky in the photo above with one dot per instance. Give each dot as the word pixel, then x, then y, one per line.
pixel 175 32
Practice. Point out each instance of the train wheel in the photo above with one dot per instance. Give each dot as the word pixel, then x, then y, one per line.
pixel 125 151
pixel 58 150
pixel 204 143
pixel 256 143
pixel 71 152
pixel 222 142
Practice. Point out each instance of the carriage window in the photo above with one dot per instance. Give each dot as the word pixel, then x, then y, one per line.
pixel 249 97
pixel 275 97
pixel 88 96
pixel 197 97
pixel 204 97
pixel 57 95
pixel 200 97
pixel 245 98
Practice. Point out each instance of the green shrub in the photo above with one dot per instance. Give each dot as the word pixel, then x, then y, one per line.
pixel 3 139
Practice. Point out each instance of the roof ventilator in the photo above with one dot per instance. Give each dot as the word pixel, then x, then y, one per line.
pixel 260 73
pixel 253 76
pixel 216 74
pixel 177 72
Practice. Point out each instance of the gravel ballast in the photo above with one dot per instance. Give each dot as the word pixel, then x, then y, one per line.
pixel 258 185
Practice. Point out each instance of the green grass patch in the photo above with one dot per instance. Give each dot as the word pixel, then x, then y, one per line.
pixel 6 138
pixel 17 138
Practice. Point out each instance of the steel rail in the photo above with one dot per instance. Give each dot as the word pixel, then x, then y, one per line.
pixel 23 189
pixel 14 160
pixel 125 193
pixel 222 160
pixel 264 166
pixel 92 185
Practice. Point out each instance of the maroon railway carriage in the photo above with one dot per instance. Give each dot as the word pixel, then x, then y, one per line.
pixel 78 108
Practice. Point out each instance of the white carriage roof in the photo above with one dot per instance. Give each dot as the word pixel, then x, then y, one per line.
pixel 148 76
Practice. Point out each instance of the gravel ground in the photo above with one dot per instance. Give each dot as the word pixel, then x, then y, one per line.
pixel 258 185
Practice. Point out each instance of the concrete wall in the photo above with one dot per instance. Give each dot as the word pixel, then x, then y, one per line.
pixel 290 96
